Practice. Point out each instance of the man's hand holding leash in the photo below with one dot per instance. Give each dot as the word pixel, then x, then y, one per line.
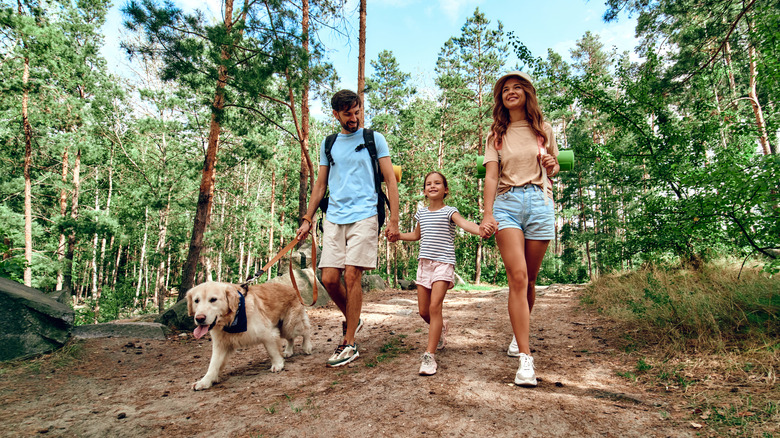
pixel 304 229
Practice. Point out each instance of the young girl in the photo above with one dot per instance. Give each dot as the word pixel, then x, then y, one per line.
pixel 436 231
pixel 520 155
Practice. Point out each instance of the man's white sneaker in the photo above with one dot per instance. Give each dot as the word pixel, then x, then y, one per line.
pixel 428 366
pixel 343 355
pixel 513 350
pixel 525 375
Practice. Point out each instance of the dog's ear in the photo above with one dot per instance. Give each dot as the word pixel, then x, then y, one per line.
pixel 231 293
pixel 190 310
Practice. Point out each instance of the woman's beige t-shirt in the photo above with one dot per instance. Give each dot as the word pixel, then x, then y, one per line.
pixel 519 163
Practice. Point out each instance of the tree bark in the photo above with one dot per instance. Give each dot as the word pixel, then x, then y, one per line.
pixel 361 79
pixel 303 188
pixel 273 215
pixel 142 258
pixel 103 264
pixel 27 178
pixel 74 214
pixel 95 239
pixel 763 138
pixel 63 212
pixel 206 192
pixel 160 289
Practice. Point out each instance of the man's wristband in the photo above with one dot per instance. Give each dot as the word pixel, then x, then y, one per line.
pixel 307 219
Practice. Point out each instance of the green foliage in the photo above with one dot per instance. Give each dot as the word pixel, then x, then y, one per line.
pixel 11 268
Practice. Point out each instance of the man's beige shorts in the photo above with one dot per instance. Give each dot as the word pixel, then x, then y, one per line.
pixel 349 244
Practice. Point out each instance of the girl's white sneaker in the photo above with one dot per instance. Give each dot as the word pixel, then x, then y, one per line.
pixel 428 367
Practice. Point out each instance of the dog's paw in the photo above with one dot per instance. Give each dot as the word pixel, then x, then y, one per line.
pixel 202 384
pixel 276 367
pixel 288 351
pixel 306 347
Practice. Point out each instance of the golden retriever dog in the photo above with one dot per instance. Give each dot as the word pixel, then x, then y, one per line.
pixel 263 314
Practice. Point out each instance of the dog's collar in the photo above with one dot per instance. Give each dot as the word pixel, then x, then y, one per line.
pixel 239 322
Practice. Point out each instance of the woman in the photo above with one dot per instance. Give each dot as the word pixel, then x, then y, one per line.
pixel 520 156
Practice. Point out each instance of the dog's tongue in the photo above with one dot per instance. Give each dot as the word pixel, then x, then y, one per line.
pixel 200 331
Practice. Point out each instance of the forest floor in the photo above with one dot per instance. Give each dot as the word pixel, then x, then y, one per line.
pixel 139 388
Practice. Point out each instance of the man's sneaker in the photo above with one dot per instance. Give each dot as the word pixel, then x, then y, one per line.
pixel 428 367
pixel 513 350
pixel 443 337
pixel 344 354
pixel 525 375
pixel 344 327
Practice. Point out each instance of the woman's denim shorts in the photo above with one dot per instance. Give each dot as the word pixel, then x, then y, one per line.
pixel 526 208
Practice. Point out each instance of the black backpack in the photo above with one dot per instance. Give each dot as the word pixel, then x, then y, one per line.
pixel 368 143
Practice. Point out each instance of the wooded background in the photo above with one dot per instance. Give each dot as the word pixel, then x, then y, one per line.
pixel 128 192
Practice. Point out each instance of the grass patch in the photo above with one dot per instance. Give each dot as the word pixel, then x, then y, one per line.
pixel 711 309
pixel 710 337
pixel 393 348
pixel 741 418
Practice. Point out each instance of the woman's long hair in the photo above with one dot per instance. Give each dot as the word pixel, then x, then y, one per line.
pixel 501 114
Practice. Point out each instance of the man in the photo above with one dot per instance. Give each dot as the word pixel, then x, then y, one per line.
pixel 350 228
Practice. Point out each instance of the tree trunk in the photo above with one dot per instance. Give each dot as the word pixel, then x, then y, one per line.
pixel 583 225
pixel 115 272
pixel 63 212
pixel 361 79
pixel 159 287
pixel 226 244
pixel 103 264
pixel 727 59
pixel 303 188
pixel 273 214
pixel 95 286
pixel 206 192
pixel 27 178
pixel 74 214
pixel 763 138
pixel 141 259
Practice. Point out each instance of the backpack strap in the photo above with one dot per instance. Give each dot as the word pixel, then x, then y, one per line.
pixel 368 141
pixel 329 140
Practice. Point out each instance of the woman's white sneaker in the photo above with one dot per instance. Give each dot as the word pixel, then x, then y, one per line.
pixel 525 375
pixel 513 350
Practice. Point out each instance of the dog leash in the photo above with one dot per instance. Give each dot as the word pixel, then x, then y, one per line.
pixel 281 254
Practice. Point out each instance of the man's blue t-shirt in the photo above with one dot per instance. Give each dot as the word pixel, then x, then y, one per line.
pixel 351 178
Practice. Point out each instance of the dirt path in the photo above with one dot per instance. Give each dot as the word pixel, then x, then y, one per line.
pixel 131 388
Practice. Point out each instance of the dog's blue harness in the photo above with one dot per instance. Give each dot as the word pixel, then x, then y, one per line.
pixel 239 322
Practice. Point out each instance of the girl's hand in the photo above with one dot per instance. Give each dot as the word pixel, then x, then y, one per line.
pixel 392 237
pixel 488 226
pixel 486 230
pixel 550 163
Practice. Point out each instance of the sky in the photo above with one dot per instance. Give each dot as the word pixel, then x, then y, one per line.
pixel 416 30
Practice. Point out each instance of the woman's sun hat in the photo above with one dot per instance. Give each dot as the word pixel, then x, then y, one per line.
pixel 523 75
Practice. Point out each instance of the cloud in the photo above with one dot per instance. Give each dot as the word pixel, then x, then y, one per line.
pixel 452 9
pixel 620 34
